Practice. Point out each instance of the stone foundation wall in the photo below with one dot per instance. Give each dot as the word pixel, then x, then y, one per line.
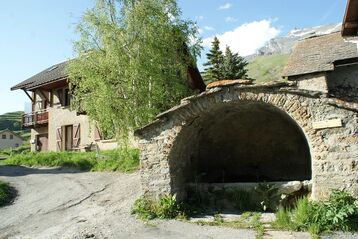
pixel 334 151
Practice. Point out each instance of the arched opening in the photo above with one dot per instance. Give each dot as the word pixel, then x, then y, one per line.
pixel 237 143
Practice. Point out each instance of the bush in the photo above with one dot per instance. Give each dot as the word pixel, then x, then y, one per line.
pixel 339 213
pixel 165 208
pixel 125 160
pixel 6 193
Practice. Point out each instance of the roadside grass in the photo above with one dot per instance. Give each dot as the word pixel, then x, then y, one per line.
pixel 124 160
pixel 6 193
pixel 25 148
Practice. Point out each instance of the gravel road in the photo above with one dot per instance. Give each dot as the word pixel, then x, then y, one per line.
pixel 65 203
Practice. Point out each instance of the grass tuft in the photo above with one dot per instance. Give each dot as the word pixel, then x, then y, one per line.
pixel 124 160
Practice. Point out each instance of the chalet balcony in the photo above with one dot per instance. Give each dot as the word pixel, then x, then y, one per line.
pixel 37 118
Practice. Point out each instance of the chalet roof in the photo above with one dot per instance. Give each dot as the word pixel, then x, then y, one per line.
pixel 57 72
pixel 49 75
pixel 318 54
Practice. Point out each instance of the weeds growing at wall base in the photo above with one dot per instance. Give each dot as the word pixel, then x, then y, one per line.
pixel 339 213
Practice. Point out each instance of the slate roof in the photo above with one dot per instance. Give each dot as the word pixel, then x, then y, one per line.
pixel 318 54
pixel 51 74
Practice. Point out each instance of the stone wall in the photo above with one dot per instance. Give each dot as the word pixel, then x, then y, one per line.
pixel 334 151
pixel 311 82
pixel 343 81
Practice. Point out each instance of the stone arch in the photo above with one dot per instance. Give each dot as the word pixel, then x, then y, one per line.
pixel 162 162
pixel 287 107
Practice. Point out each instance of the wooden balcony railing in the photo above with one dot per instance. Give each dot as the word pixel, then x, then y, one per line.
pixel 38 118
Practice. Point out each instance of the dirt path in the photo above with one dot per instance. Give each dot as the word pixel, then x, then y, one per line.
pixel 63 203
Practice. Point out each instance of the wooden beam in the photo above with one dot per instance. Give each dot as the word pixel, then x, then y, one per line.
pixel 28 95
pixel 46 98
pixel 351 24
pixel 325 124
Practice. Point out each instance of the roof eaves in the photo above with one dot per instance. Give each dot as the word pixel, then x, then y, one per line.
pixel 35 86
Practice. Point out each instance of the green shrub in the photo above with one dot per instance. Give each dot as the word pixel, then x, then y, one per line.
pixel 339 213
pixel 125 160
pixel 6 193
pixel 165 208
pixel 144 209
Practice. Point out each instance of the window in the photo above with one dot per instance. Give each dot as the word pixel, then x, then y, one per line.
pixel 67 97
pixel 3 136
pixel 11 136
pixel 60 96
pixel 64 97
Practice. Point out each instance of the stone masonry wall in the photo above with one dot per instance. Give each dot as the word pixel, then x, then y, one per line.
pixel 334 151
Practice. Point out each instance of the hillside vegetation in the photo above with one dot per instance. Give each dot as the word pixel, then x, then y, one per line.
pixel 11 121
pixel 267 68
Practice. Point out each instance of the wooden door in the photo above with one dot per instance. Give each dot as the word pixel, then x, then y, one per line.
pixel 42 142
pixel 68 137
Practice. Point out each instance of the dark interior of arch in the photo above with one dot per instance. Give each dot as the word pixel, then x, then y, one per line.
pixel 243 142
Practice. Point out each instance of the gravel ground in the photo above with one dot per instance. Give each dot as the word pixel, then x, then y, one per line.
pixel 64 203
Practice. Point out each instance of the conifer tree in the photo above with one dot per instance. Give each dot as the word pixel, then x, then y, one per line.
pixel 215 58
pixel 233 66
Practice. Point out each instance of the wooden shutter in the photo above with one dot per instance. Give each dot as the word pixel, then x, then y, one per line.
pixel 59 139
pixel 97 134
pixel 76 135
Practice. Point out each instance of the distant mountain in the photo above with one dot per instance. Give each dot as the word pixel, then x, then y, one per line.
pixel 284 45
pixel 267 64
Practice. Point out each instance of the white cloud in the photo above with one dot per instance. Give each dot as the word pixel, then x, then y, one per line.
pixel 230 19
pixel 247 38
pixel 209 28
pixel 225 6
pixel 201 31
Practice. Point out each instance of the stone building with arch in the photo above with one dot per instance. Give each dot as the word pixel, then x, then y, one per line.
pixel 303 130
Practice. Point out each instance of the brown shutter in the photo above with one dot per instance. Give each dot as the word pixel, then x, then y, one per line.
pixel 76 137
pixel 59 139
pixel 97 134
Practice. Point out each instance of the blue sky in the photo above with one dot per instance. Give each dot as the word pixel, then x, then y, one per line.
pixel 39 33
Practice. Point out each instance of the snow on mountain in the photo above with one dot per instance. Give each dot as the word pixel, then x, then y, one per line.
pixel 284 44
